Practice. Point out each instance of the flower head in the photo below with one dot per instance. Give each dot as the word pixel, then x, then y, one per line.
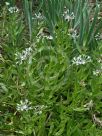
pixel 68 16
pixel 39 108
pixel 81 60
pixel 7 3
pixel 20 57
pixel 89 105
pixel 24 105
pixel 44 33
pixel 97 72
pixel 13 9
pixel 38 16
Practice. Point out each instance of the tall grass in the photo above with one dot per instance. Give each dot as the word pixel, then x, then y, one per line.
pixel 50 86
pixel 53 10
pixel 28 12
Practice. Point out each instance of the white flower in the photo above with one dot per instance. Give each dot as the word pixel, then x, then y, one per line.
pixel 73 33
pixel 81 59
pixel 20 57
pixel 38 16
pixel 100 59
pixel 38 109
pixel 49 37
pixel 68 16
pixel 89 105
pixel 97 72
pixel 82 83
pixel 13 9
pixel 7 3
pixel 43 34
pixel 96 120
pixel 98 36
pixel 24 105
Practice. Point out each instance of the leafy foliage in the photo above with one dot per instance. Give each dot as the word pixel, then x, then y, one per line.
pixel 50 84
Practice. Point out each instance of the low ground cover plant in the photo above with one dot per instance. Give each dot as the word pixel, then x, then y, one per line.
pixel 51 69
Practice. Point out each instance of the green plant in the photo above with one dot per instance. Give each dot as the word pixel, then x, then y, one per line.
pixel 86 24
pixel 47 86
pixel 28 13
pixel 52 10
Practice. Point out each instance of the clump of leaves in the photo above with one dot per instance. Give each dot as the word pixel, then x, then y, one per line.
pixel 48 87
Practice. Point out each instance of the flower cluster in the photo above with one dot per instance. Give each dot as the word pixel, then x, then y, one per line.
pixel 96 120
pixel 73 33
pixel 44 33
pixel 24 105
pixel 89 105
pixel 38 16
pixel 81 59
pixel 97 72
pixel 38 109
pixel 20 57
pixel 13 9
pixel 82 83
pixel 98 36
pixel 49 37
pixel 7 3
pixel 100 59
pixel 68 16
